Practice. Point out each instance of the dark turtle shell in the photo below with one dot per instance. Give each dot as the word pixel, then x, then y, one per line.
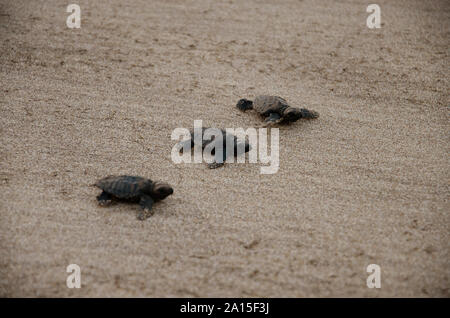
pixel 125 187
pixel 265 105
pixel 225 137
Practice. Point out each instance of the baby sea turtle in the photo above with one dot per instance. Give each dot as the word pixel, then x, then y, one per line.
pixel 210 141
pixel 275 109
pixel 133 189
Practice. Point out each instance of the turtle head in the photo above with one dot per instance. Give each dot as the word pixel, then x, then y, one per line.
pixel 161 190
pixel 244 104
pixel 292 114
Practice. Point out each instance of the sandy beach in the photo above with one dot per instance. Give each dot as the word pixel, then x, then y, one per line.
pixel 366 183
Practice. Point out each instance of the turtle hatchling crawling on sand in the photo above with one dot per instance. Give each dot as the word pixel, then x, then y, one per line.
pixel 133 189
pixel 275 109
pixel 210 141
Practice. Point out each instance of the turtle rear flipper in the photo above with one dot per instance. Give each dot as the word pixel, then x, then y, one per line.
pixel 273 119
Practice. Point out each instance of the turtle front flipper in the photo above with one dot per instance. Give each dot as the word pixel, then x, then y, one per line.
pixel 104 198
pixel 215 165
pixel 272 119
pixel 219 162
pixel 146 203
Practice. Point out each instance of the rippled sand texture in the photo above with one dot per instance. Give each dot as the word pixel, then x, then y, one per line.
pixel 366 183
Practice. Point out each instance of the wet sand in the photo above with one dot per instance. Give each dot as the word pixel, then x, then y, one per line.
pixel 366 183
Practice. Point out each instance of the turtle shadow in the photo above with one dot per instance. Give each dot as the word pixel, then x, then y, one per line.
pixel 286 124
pixel 120 206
